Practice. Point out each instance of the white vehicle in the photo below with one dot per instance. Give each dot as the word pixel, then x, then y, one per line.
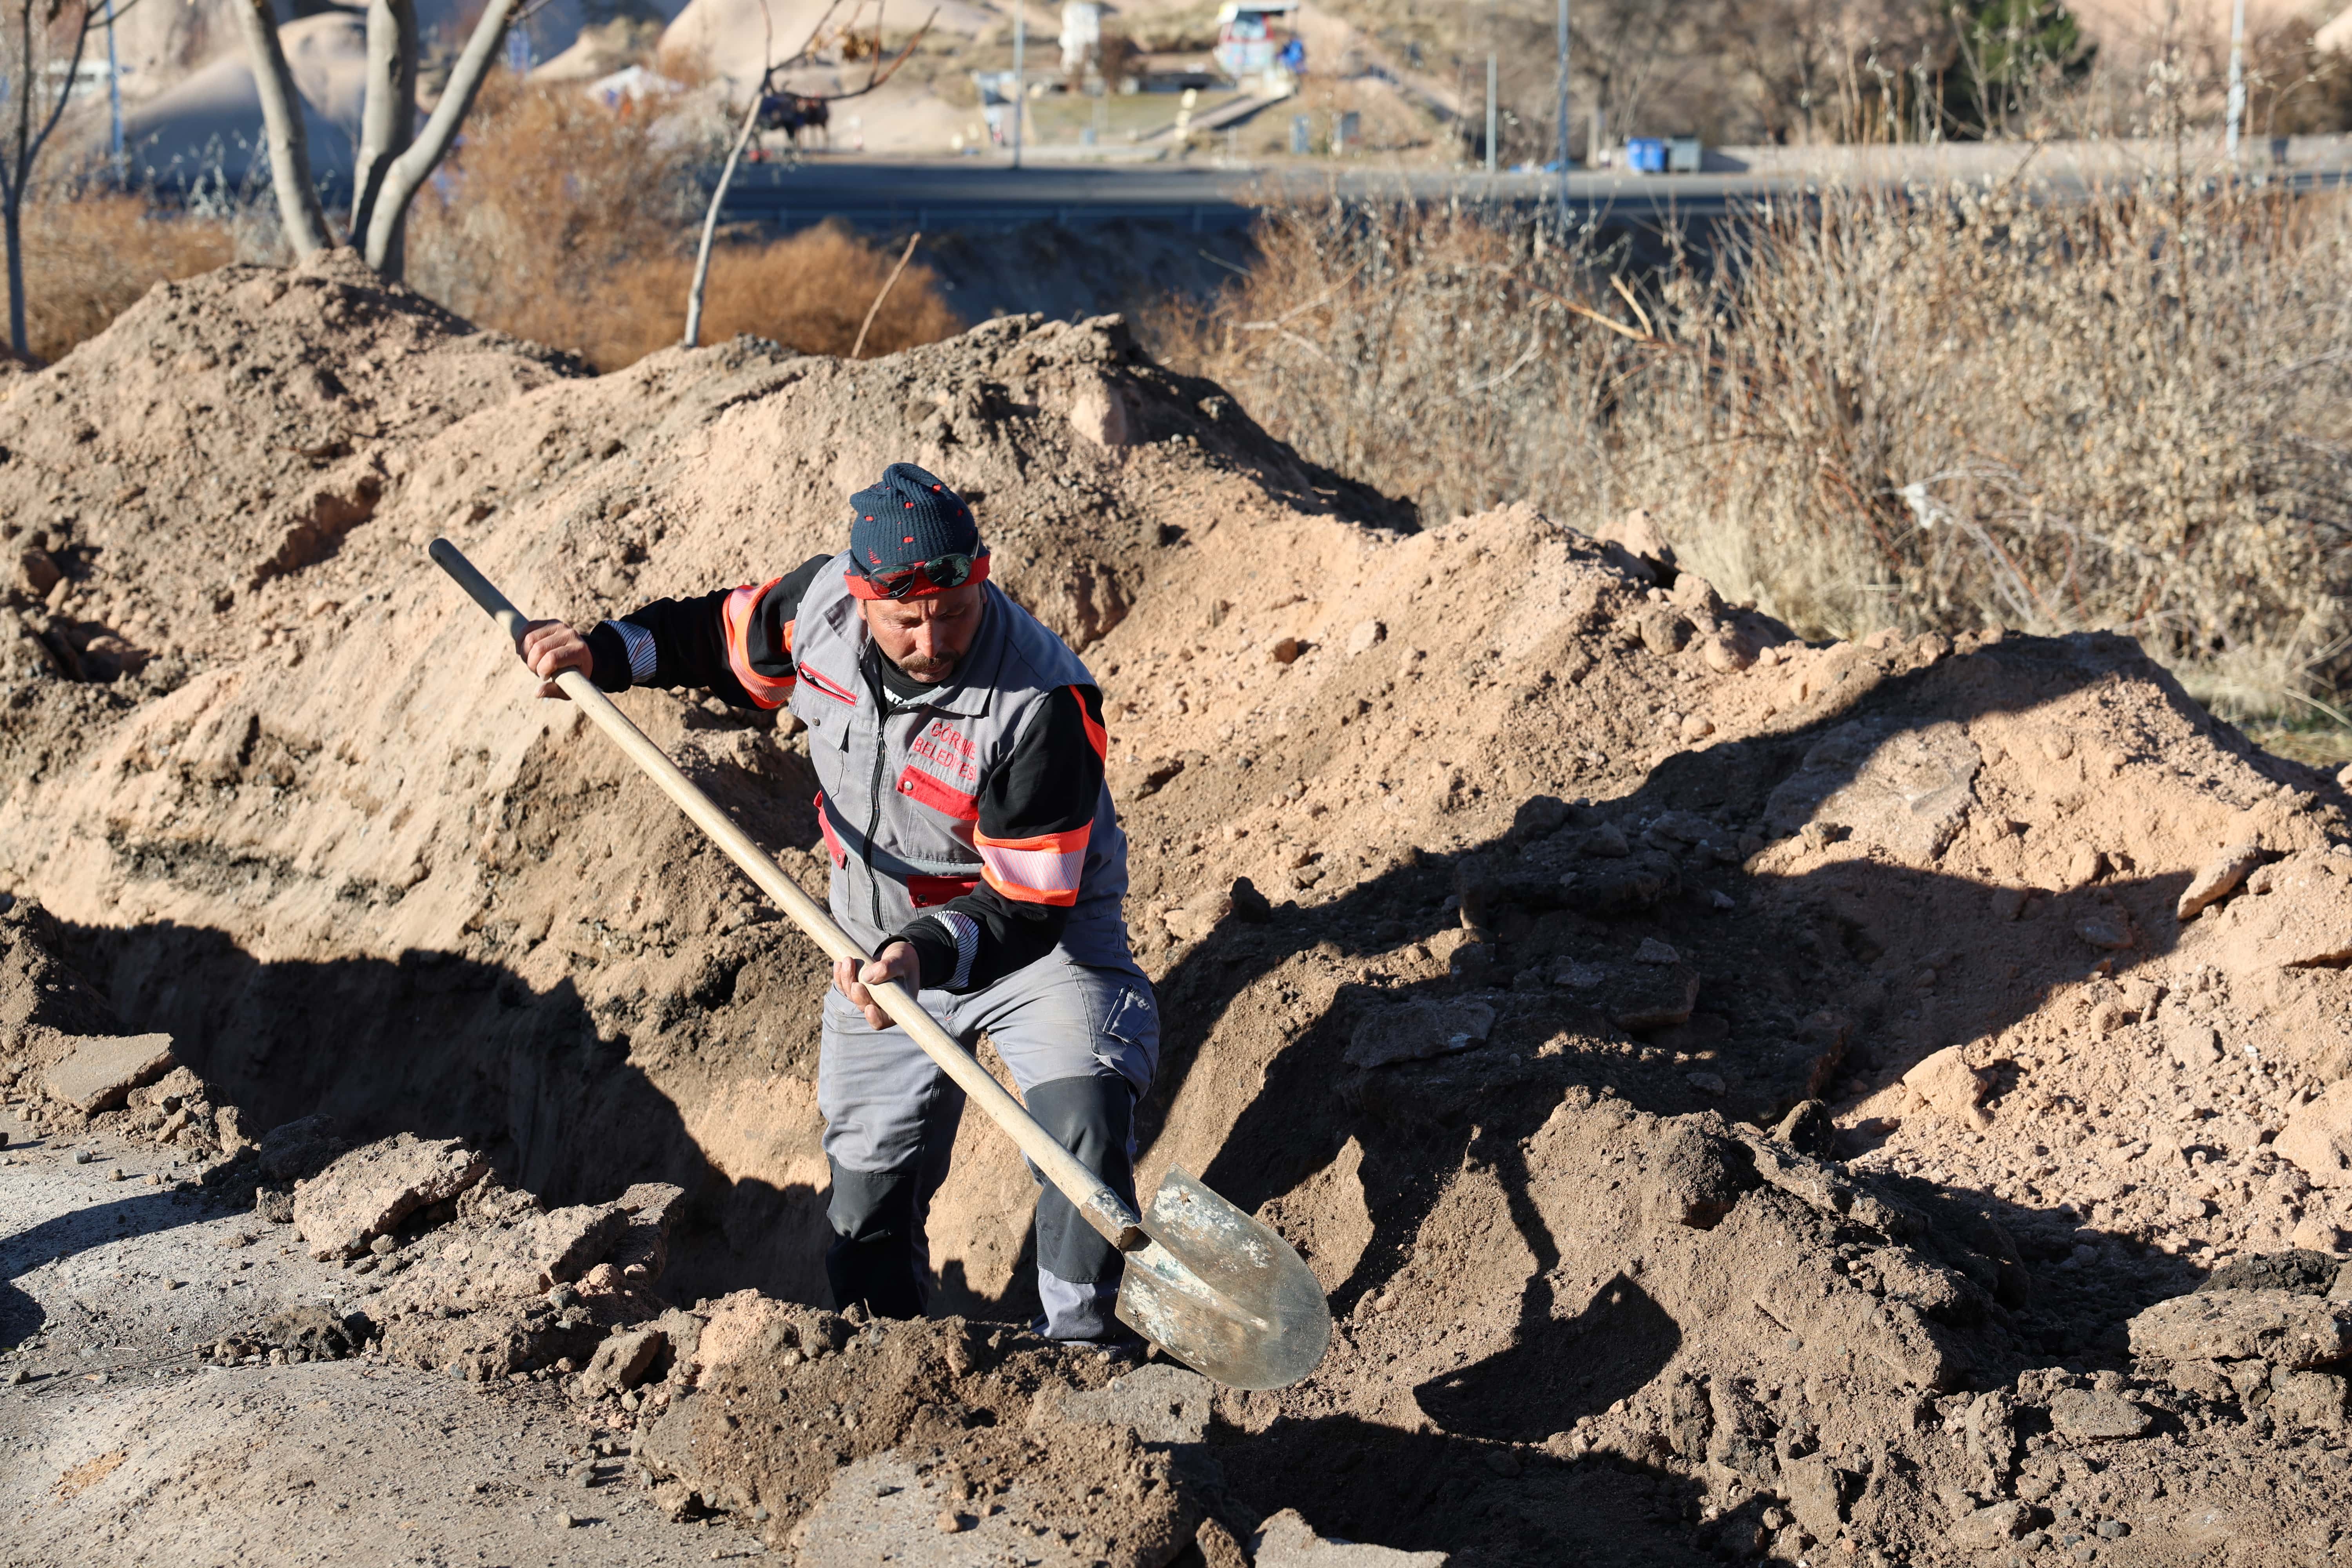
pixel 1252 36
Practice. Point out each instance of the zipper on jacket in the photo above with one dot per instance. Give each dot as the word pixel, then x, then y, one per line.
pixel 874 794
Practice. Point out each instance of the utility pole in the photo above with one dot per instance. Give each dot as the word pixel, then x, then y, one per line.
pixel 1019 88
pixel 1490 111
pixel 1561 114
pixel 114 96
pixel 2237 74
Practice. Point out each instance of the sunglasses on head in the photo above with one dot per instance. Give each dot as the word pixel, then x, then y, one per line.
pixel 935 575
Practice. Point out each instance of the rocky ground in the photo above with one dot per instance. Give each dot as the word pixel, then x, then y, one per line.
pixel 1876 1102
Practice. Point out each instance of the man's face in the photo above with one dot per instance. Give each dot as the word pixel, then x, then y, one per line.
pixel 926 637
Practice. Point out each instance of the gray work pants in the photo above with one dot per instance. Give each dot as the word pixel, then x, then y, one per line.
pixel 1082 1044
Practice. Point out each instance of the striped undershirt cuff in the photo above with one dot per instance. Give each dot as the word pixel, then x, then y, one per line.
pixel 964 931
pixel 641 653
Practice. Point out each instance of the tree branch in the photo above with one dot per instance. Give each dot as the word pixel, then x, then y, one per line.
pixel 409 170
pixel 388 112
pixel 857 349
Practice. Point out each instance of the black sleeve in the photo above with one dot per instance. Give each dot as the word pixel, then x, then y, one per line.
pixel 1052 782
pixel 690 639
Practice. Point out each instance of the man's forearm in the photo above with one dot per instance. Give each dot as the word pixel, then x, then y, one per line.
pixel 977 939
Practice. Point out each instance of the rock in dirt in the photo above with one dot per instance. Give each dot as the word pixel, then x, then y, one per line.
pixel 1418 1030
pixel 1905 790
pixel 1948 1086
pixel 1817 1491
pixel 2097 1415
pixel 621 1361
pixel 1809 1129
pixel 371 1190
pixel 568 1242
pixel 1991 1526
pixel 1698 1174
pixel 1288 1540
pixel 1637 533
pixel 2318 1136
pixel 2303 1271
pixel 317 1331
pixel 2302 918
pixel 2219 880
pixel 101 1071
pixel 297 1150
pixel 2280 1327
pixel 1161 1403
pixel 642 1252
pixel 2307 1399
pixel 1650 996
pixel 1199 914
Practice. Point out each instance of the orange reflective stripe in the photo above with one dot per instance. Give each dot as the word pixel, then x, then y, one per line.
pixel 1044 869
pixel 1096 736
pixel 767 691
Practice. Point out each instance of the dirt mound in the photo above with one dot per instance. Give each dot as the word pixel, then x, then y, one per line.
pixel 1501 887
pixel 801 1422
pixel 225 431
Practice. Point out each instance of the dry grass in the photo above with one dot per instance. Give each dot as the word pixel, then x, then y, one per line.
pixel 558 221
pixel 86 261
pixel 1971 408
pixel 566 223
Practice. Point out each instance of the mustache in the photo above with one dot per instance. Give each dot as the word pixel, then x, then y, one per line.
pixel 933 664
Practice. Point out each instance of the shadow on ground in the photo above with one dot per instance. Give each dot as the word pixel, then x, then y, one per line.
pixel 1847 939
pixel 442 1045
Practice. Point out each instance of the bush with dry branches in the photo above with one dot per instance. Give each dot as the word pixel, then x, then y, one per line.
pixel 1938 410
pixel 88 258
pixel 560 221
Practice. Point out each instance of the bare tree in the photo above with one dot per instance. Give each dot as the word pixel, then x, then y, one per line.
pixel 394 164
pixel 40 59
pixel 387 117
pixel 409 170
pixel 288 139
pixel 880 73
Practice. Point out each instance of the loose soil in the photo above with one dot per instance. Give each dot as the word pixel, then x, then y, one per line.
pixel 1738 1094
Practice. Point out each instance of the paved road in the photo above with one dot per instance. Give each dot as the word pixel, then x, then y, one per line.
pixel 970 193
pixel 960 194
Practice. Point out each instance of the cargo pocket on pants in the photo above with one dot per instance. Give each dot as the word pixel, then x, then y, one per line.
pixel 1130 1043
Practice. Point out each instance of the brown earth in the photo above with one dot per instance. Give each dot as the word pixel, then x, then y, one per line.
pixel 1509 896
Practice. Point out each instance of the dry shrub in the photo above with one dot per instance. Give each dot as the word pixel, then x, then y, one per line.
pixel 561 221
pixel 2132 412
pixel 1422 349
pixel 809 290
pixel 550 203
pixel 88 258
pixel 1967 407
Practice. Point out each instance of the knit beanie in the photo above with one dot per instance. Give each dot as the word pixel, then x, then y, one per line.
pixel 908 517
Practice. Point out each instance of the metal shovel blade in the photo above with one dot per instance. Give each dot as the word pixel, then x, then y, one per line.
pixel 1221 1292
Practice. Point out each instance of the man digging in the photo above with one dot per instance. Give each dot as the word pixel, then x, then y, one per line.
pixel 960 747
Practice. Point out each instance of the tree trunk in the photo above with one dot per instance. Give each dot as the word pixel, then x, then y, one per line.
pixel 710 220
pixel 388 117
pixel 281 115
pixel 12 218
pixel 408 172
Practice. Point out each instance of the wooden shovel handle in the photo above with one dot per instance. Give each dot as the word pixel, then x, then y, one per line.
pixel 1103 1208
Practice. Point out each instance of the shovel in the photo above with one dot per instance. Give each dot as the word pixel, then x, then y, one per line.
pixel 1213 1287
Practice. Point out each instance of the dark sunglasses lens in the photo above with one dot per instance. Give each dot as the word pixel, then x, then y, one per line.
pixel 947 572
